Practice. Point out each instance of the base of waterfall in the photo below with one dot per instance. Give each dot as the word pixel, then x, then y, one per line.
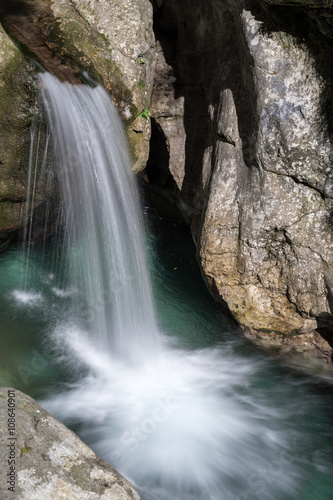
pixel 42 459
pixel 208 416
pixel 180 425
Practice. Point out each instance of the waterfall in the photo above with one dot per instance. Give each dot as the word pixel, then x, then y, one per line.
pixel 181 424
pixel 102 218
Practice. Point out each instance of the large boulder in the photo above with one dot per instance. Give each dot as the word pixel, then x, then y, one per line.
pixel 42 459
pixel 249 140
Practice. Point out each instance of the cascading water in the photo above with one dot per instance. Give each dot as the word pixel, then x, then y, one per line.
pixel 102 218
pixel 181 424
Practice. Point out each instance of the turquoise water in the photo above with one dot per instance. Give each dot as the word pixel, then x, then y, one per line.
pixel 238 424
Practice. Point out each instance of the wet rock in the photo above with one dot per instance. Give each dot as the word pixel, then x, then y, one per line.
pixel 113 41
pixel 50 461
pixel 18 110
pixel 109 41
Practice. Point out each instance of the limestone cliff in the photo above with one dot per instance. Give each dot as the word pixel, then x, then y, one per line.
pixel 242 102
pixel 18 110
pixel 242 130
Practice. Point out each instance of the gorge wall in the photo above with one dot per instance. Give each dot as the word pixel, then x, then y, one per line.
pixel 241 135
pixel 242 103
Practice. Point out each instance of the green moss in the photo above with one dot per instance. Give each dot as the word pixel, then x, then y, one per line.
pixel 134 143
pixel 18 92
pixel 3 217
pixel 6 90
pixel 145 114
pixel 9 214
pixel 25 449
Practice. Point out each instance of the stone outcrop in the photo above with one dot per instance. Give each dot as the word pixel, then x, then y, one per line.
pixel 110 41
pixel 42 459
pixel 242 100
pixel 241 134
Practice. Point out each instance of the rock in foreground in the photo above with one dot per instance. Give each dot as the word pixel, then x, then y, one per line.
pixel 43 459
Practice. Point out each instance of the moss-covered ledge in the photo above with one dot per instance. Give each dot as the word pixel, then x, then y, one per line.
pixel 40 458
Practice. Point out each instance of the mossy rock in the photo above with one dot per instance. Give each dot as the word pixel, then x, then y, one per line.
pixel 113 43
pixel 18 107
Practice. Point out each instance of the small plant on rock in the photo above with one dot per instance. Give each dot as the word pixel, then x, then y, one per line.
pixel 145 113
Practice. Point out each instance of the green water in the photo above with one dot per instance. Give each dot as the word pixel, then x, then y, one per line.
pixel 30 307
pixel 186 310
pixel 268 402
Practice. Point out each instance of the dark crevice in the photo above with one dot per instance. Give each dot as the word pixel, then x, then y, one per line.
pixel 325 331
pixel 18 7
pixel 300 181
pixel 163 191
pixel 12 200
pixel 203 66
pixel 308 185
pixel 157 169
pixel 226 138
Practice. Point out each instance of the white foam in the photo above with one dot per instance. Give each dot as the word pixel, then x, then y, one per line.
pixel 178 425
pixel 63 293
pixel 27 298
pixel 181 425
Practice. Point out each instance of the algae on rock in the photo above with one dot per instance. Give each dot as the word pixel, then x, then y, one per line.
pixel 110 41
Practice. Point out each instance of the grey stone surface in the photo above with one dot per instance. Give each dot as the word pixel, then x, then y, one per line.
pixel 50 461
pixel 253 162
pixel 130 45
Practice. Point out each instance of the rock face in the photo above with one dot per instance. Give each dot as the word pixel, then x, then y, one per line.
pixel 127 29
pixel 110 40
pixel 18 110
pixel 249 140
pixel 43 459
pixel 242 133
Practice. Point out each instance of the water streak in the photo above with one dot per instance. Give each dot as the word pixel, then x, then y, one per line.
pixel 103 224
pixel 37 175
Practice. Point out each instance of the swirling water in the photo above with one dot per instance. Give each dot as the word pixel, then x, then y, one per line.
pixel 156 382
